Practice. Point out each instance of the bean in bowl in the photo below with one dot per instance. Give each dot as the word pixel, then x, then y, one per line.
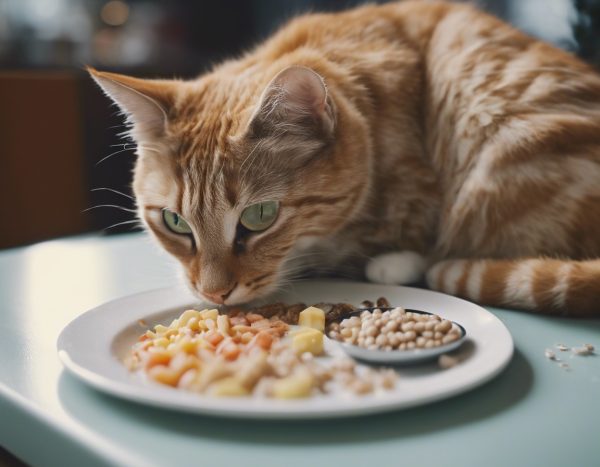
pixel 394 329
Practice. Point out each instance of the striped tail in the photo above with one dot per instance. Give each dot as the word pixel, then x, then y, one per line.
pixel 552 286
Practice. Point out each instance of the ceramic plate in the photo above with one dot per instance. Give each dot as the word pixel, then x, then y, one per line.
pixel 92 347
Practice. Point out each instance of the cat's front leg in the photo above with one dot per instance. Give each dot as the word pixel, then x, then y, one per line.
pixel 402 267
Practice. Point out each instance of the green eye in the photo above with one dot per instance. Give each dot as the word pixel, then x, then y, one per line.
pixel 259 216
pixel 175 223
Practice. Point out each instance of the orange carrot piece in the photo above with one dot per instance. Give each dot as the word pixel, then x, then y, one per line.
pixel 164 375
pixel 230 351
pixel 263 339
pixel 157 358
pixel 213 337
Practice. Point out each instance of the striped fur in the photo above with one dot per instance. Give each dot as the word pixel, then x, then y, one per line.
pixel 422 127
pixel 552 286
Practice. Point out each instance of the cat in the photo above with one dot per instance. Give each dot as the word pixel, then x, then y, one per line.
pixel 399 142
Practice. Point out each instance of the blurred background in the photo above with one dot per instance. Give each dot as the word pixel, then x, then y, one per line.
pixel 60 153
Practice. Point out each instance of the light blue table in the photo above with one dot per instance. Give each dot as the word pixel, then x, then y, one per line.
pixel 534 413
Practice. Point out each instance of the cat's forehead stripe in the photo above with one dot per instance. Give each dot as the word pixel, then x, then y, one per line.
pixel 203 131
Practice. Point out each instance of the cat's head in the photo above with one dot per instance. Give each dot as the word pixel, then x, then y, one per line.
pixel 235 171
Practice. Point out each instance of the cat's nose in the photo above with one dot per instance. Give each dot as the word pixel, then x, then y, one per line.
pixel 219 296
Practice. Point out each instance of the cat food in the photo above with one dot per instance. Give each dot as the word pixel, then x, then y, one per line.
pixel 245 353
pixel 312 317
pixel 585 349
pixel 447 361
pixel 395 329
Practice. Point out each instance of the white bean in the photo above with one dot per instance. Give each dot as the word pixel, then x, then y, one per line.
pixel 445 325
pixel 381 340
pixel 410 335
pixel 448 338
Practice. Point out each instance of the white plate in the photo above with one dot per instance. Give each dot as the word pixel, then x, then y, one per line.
pixel 93 345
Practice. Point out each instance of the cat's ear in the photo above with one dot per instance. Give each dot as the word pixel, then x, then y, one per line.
pixel 295 103
pixel 144 102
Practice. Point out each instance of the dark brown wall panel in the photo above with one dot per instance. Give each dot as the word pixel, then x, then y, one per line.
pixel 42 186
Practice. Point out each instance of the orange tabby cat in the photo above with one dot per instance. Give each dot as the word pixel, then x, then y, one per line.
pixel 397 140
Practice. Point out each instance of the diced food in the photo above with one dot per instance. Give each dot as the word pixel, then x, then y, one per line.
pixel 252 353
pixel 308 340
pixel 228 387
pixel 312 317
pixel 297 385
pixel 209 314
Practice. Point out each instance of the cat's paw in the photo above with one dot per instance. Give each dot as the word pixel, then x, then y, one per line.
pixel 403 267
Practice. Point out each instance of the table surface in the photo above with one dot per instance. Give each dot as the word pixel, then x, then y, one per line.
pixel 534 413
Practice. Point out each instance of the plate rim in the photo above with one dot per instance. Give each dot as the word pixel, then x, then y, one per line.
pixel 150 395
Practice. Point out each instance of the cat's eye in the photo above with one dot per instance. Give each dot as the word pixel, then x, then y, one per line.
pixel 175 223
pixel 259 216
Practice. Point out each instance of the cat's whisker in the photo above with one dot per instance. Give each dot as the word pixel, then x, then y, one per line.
pixel 113 154
pixel 126 135
pixel 114 191
pixel 131 221
pixel 149 148
pixel 115 206
pixel 122 145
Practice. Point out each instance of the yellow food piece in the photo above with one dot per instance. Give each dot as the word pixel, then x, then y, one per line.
pixel 187 315
pixel 192 324
pixel 203 344
pixel 253 368
pixel 187 345
pixel 165 375
pixel 308 340
pixel 227 387
pixel 312 317
pixel 223 324
pixel 161 342
pixel 209 314
pixel 295 386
